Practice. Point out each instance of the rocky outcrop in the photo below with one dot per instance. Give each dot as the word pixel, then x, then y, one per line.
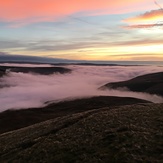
pixel 131 133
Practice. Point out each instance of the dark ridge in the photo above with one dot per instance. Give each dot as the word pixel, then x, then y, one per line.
pixel 15 119
pixel 102 64
pixel 150 83
pixel 90 64
pixel 123 134
pixel 38 70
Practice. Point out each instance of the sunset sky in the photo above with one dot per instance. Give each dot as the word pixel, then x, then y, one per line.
pixel 83 29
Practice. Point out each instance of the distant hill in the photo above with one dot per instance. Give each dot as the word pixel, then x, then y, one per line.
pixel 150 83
pixel 130 133
pixel 38 70
pixel 13 58
pixel 8 58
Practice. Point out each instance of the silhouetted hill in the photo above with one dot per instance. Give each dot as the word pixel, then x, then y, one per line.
pixel 2 72
pixel 38 70
pixel 15 119
pixel 122 134
pixel 150 83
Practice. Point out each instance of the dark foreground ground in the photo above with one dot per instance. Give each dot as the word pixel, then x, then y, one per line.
pixel 132 133
pixel 150 83
pixel 15 119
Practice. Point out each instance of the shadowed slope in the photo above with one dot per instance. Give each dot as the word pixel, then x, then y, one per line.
pixel 15 119
pixel 150 83
pixel 121 134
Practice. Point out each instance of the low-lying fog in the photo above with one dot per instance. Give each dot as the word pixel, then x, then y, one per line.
pixel 31 90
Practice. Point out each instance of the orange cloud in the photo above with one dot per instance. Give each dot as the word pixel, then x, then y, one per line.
pixel 28 11
pixel 154 15
pixel 149 19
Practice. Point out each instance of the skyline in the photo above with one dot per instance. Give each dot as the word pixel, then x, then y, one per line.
pixel 83 30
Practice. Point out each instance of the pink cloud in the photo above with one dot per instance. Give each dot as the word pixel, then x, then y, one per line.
pixel 30 11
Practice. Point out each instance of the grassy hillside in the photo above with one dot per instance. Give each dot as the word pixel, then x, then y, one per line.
pixel 15 119
pixel 131 133
pixel 150 83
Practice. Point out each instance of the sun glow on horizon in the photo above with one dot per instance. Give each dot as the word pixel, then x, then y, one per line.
pixel 86 30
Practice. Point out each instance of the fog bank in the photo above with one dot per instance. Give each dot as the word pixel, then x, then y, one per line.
pixel 30 90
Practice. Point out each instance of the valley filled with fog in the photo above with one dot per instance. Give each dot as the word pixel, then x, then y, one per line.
pixel 25 90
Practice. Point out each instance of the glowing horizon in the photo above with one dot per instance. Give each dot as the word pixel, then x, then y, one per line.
pixel 87 30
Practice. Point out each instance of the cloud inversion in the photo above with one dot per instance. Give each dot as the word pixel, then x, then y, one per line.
pixel 31 90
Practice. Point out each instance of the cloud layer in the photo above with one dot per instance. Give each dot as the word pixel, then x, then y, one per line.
pixel 29 90
pixel 154 15
pixel 147 20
